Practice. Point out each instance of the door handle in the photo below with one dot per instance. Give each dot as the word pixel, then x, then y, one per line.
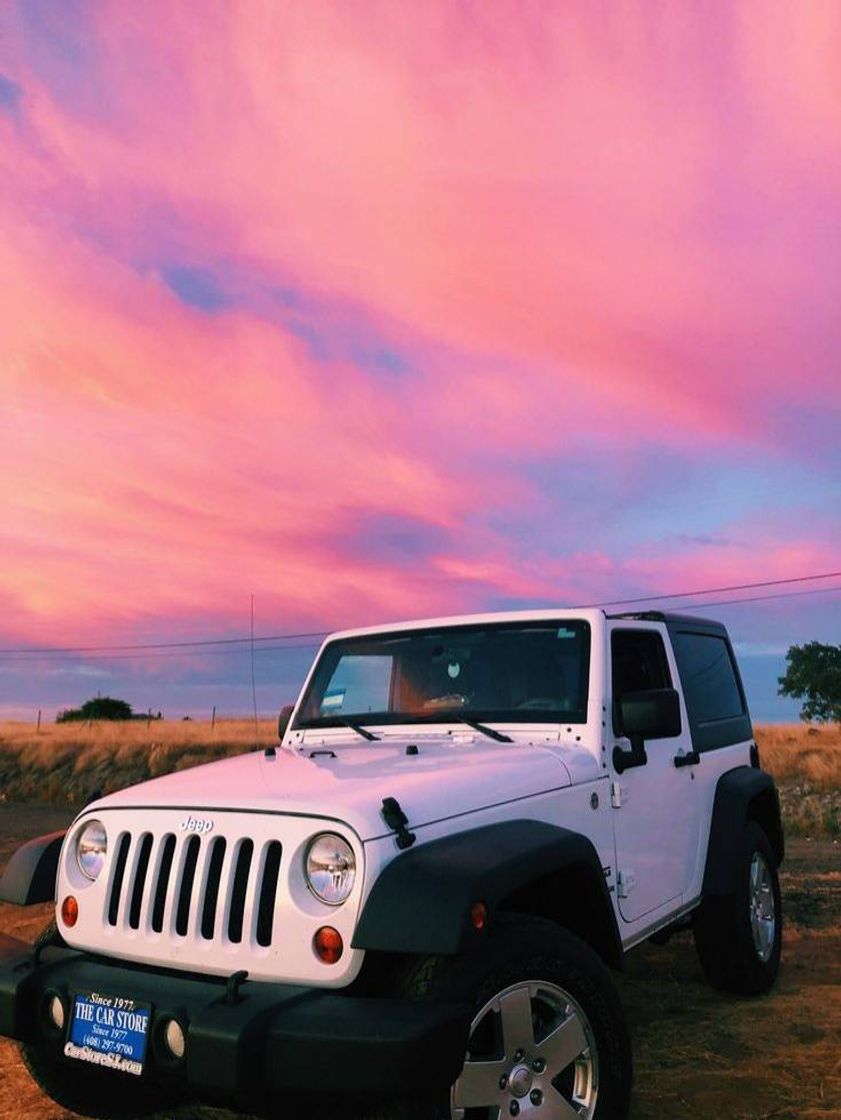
pixel 691 758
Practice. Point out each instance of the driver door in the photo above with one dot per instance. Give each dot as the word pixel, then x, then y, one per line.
pixel 657 822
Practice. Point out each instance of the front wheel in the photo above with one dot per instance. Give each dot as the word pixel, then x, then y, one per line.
pixel 739 937
pixel 548 1037
pixel 532 1044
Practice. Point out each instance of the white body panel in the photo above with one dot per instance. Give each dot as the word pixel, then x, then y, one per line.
pixel 712 766
pixel 458 779
pixel 658 821
pixel 571 808
pixel 297 913
pixel 449 775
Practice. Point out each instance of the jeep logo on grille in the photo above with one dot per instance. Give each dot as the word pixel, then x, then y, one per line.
pixel 196 824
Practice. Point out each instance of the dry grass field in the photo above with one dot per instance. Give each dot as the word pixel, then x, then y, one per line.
pixel 65 764
pixel 698 1053
pixel 806 764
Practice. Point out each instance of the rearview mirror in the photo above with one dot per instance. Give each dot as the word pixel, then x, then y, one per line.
pixel 283 720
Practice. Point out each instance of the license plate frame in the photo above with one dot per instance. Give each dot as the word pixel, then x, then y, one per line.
pixel 109 1031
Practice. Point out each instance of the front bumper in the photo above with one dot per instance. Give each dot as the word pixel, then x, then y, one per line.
pixel 267 1040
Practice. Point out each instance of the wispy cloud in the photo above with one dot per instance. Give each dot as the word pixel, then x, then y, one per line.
pixel 381 311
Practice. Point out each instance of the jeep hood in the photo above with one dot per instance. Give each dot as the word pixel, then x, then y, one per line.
pixel 348 782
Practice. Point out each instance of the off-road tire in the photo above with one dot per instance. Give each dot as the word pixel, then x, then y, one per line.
pixel 519 948
pixel 724 934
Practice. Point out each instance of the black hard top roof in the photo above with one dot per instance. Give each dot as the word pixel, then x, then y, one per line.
pixel 673 619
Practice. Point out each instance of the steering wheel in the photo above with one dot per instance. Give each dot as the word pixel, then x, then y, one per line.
pixel 453 700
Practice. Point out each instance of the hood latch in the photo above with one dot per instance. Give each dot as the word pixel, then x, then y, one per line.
pixel 395 818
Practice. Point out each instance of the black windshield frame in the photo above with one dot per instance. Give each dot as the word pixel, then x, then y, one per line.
pixel 377 644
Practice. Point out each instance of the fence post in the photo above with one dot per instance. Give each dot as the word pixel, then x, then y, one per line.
pixel 213 719
pixel 39 721
pixel 149 719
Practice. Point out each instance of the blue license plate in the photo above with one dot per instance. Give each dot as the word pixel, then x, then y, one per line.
pixel 109 1031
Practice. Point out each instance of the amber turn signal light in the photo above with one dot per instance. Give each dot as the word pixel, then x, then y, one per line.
pixel 69 911
pixel 478 915
pixel 328 944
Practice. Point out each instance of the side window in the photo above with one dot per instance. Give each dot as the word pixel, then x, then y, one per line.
pixel 639 663
pixel 709 679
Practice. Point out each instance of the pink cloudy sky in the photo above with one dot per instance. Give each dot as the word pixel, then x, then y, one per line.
pixel 385 309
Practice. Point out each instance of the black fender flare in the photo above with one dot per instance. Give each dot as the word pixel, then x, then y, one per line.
pixel 741 795
pixel 30 874
pixel 422 900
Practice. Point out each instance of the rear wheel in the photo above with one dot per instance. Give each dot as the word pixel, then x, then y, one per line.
pixel 739 937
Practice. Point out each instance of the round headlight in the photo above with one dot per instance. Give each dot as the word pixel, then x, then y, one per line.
pixel 331 868
pixel 91 846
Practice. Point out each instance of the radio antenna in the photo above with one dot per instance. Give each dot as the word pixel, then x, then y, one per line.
pixel 253 684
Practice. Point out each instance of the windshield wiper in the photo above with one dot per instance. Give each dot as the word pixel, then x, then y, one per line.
pixel 489 731
pixel 363 731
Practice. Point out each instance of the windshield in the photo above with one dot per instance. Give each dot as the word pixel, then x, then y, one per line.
pixel 534 672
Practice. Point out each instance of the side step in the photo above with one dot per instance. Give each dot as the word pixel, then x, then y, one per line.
pixel 663 936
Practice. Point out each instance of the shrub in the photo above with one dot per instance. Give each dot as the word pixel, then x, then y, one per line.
pixel 101 707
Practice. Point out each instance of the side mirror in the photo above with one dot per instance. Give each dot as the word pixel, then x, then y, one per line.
pixel 283 720
pixel 654 714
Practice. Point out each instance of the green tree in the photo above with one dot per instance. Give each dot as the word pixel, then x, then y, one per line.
pixel 814 673
pixel 101 707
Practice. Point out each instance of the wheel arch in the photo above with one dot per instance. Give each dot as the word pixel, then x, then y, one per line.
pixel 575 898
pixel 31 873
pixel 764 808
pixel 421 902
pixel 741 795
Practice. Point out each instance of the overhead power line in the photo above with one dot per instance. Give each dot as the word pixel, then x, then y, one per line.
pixel 202 646
pixel 715 590
pixel 176 655
pixel 765 598
pixel 157 655
pixel 757 598
pixel 166 645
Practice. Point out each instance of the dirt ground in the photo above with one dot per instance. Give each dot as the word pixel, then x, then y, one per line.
pixel 698 1053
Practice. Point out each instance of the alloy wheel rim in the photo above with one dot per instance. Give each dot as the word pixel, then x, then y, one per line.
pixel 763 919
pixel 531 1053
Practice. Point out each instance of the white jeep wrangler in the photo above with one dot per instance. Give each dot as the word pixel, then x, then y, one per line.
pixel 412 906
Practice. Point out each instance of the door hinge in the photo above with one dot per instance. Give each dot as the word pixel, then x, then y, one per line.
pixel 625 883
pixel 616 792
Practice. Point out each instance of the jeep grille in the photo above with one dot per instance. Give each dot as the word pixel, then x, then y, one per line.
pixel 229 896
pixel 156 878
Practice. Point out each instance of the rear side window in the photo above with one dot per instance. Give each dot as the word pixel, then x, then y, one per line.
pixel 709 678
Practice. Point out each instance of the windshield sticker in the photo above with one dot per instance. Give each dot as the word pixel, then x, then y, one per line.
pixel 564 633
pixel 453 669
pixel 333 699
